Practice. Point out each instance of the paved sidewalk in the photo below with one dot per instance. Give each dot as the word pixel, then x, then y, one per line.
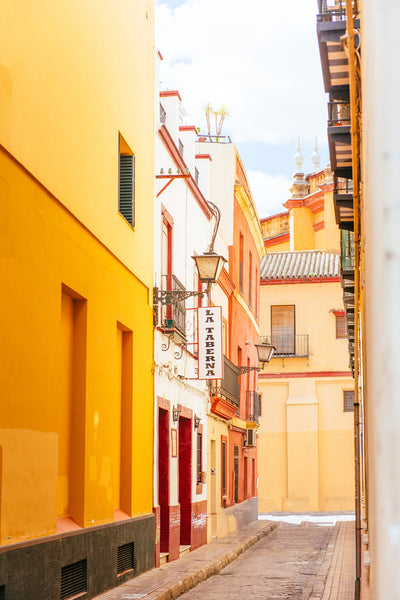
pixel 336 576
pixel 175 578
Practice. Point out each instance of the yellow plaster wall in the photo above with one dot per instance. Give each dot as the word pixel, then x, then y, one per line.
pixel 72 76
pixel 314 303
pixel 302 234
pixel 42 248
pixel 220 522
pixel 305 446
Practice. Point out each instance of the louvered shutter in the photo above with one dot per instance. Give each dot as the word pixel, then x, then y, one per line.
pixel 126 204
pixel 283 329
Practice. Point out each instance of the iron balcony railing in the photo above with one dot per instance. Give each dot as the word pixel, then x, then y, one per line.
pixel 331 10
pixel 347 250
pixel 174 315
pixel 219 139
pixel 338 114
pixel 228 387
pixel 253 406
pixel 342 185
pixel 163 115
pixel 291 345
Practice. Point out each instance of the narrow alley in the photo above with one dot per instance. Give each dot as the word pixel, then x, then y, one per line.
pixel 289 561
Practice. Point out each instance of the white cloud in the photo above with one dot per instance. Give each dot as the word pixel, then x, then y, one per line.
pixel 258 58
pixel 269 192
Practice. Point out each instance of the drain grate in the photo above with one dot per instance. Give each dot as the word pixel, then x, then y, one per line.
pixel 73 580
pixel 125 560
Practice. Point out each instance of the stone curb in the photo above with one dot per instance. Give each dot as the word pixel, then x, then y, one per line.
pixel 184 585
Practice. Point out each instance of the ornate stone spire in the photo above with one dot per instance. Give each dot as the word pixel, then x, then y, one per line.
pixel 298 158
pixel 316 158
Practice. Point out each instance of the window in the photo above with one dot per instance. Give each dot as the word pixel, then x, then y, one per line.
pixel 181 148
pixel 283 328
pixel 241 263
pixel 163 115
pixel 348 401
pixel 223 467
pixel 199 457
pixel 126 187
pixel 341 329
pixel 250 274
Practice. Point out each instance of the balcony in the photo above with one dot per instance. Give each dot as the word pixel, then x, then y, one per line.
pixel 343 199
pixel 331 11
pixel 225 393
pixel 290 345
pixel 215 139
pixel 339 137
pixel 253 407
pixel 173 316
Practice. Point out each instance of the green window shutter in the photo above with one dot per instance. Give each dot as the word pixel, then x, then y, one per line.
pixel 126 204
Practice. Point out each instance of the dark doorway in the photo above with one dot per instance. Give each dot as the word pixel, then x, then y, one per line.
pixel 185 479
pixel 236 471
pixel 163 477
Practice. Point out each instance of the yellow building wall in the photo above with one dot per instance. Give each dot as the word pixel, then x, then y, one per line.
pixel 66 303
pixel 301 229
pixel 283 247
pixel 72 77
pixel 305 444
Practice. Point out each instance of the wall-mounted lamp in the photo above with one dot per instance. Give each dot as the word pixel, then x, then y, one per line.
pixel 176 413
pixel 264 352
pixel 196 422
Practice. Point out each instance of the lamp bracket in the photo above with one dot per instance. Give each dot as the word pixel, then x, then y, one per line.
pixel 245 369
pixel 168 297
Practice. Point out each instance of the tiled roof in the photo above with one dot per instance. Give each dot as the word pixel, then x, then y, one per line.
pixel 309 264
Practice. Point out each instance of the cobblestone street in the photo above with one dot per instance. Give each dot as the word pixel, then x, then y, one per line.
pixel 282 565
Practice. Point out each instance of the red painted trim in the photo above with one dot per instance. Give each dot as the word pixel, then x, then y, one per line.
pixel 160 55
pixel 294 203
pixel 305 374
pixel 304 280
pixel 277 239
pixel 319 226
pixel 179 162
pixel 282 214
pixel 188 128
pixel 226 282
pixel 167 216
pixel 203 156
pixel 169 93
pixel 339 313
pixel 187 413
pixel 316 205
pixel 163 403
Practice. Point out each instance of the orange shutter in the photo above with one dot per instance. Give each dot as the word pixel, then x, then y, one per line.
pixel 283 328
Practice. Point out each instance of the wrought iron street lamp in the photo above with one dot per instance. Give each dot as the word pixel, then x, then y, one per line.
pixel 264 352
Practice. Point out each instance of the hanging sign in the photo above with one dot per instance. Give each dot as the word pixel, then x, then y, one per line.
pixel 210 342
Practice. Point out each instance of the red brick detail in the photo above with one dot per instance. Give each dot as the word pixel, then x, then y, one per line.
pixel 188 128
pixel 208 156
pixel 305 374
pixel 199 524
pixel 170 530
pixel 169 93
pixel 156 511
pixel 319 226
pixel 277 239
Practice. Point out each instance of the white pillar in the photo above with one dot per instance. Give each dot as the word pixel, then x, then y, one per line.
pixel 381 172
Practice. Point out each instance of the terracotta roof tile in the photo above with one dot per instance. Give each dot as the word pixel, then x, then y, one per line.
pixel 308 264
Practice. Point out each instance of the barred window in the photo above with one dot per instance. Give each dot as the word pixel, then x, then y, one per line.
pixel 348 401
pixel 341 329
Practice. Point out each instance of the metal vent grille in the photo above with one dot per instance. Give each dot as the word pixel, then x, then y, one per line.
pixel 73 579
pixel 2 592
pixel 127 187
pixel 125 561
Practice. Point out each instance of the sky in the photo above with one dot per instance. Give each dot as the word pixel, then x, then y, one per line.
pixel 259 59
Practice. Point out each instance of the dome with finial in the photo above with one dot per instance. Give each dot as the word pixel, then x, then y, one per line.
pixel 298 157
pixel 316 158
